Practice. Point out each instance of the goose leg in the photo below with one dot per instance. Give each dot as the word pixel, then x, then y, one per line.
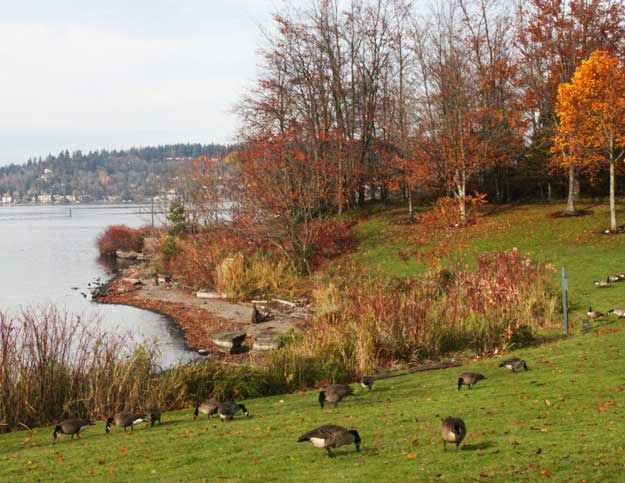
pixel 330 455
pixel 444 445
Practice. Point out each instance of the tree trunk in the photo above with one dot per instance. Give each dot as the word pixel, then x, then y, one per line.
pixel 612 198
pixel 462 199
pixel 340 188
pixel 409 195
pixel 570 203
pixel 548 191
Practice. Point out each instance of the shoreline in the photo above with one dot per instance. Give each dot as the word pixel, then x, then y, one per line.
pixel 198 319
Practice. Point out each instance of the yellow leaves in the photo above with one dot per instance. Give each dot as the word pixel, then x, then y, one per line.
pixel 591 110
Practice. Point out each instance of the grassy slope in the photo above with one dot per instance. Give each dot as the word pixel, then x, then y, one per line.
pixel 571 242
pixel 560 407
pixel 580 413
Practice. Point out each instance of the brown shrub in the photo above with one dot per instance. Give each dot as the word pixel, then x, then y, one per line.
pixel 196 258
pixel 375 323
pixel 334 238
pixel 121 237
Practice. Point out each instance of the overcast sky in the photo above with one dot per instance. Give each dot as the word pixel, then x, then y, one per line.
pixel 83 74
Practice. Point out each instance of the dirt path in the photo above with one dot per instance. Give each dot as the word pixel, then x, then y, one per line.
pixel 198 318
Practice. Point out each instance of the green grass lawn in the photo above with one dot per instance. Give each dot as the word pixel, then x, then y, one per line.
pixel 564 417
pixel 574 243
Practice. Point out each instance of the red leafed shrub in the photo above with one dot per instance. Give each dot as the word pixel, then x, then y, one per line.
pixel 120 237
pixel 374 323
pixel 198 256
pixel 333 238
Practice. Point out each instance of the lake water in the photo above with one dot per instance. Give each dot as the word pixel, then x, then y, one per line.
pixel 45 255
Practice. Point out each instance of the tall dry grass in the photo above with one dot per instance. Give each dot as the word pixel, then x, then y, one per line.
pixel 374 323
pixel 242 278
pixel 53 364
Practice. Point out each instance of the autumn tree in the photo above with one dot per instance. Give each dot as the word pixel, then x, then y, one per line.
pixel 282 194
pixel 591 110
pixel 553 36
pixel 469 112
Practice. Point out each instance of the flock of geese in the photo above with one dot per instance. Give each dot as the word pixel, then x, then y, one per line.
pixel 328 436
pixel 596 314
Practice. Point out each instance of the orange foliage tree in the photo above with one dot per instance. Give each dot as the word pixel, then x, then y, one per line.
pixel 591 110
pixel 282 193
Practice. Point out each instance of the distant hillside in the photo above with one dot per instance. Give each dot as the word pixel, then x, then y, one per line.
pixel 134 174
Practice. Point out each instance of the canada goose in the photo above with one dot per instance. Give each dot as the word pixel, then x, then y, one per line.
pixel 514 364
pixel 330 436
pixel 208 407
pixel 603 283
pixel 259 316
pixel 620 313
pixel 155 415
pixel 334 394
pixel 227 410
pixel 124 420
pixel 453 431
pixel 469 378
pixel 594 314
pixel 73 426
pixel 614 278
pixel 367 382
pixel 620 276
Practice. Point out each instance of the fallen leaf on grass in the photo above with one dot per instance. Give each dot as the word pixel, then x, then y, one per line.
pixel 30 462
pixel 60 458
pixel 545 473
pixel 547 402
pixel 411 456
pixel 123 449
pixel 605 405
pixel 101 462
pixel 539 450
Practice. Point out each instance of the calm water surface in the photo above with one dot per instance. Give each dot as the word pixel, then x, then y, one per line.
pixel 45 255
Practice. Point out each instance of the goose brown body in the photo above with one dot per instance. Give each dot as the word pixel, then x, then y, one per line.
pixel 620 313
pixel 208 407
pixel 228 409
pixel 155 415
pixel 335 394
pixel 514 364
pixel 73 426
pixel 125 419
pixel 469 378
pixel 453 430
pixel 367 382
pixel 594 314
pixel 330 436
